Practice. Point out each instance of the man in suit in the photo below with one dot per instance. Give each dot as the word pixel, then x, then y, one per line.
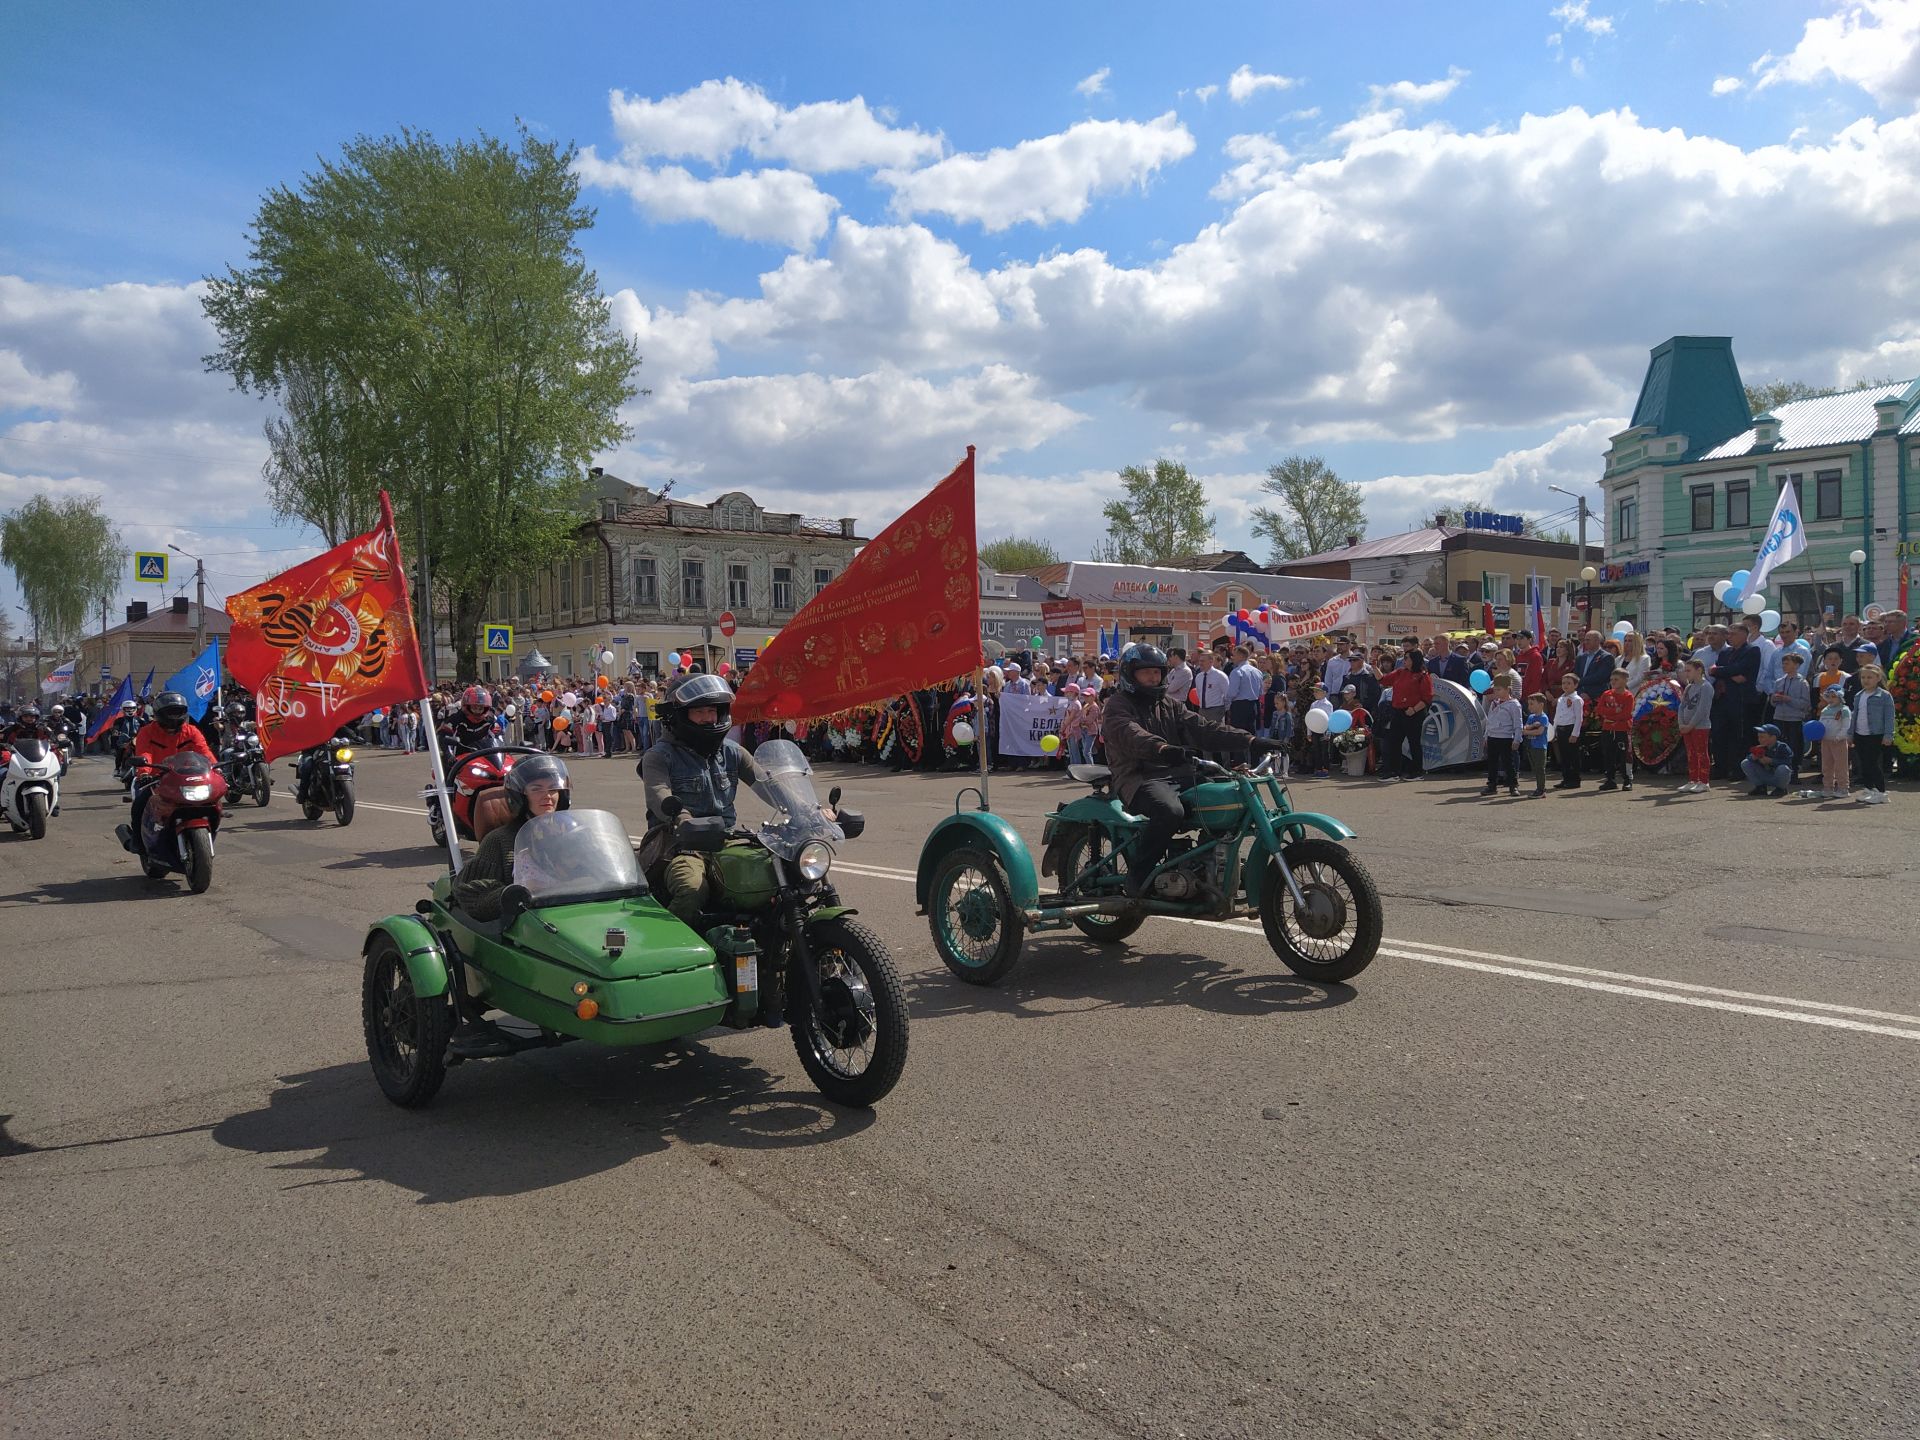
pixel 1593 665
pixel 1736 702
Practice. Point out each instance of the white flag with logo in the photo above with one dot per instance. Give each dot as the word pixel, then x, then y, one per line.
pixel 1786 538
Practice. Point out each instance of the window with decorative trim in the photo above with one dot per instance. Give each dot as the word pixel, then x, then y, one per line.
pixel 737 585
pixel 822 577
pixel 693 584
pixel 646 580
pixel 566 584
pixel 1703 507
pixel 783 587
pixel 1626 519
pixel 1826 495
pixel 1739 505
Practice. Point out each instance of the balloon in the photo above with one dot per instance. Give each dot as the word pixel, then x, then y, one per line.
pixel 1481 682
pixel 793 727
pixel 1339 723
pixel 962 733
pixel 1317 721
pixel 767 641
pixel 1754 604
pixel 1769 621
pixel 606 657
pixel 602 681
pixel 1622 627
pixel 673 659
pixel 1813 732
pixel 547 695
pixel 1049 743
pixel 1722 589
pixel 511 711
pixel 570 699
pixel 1242 616
pixel 725 668
pixel 1739 580
pixel 561 722
pixel 1036 643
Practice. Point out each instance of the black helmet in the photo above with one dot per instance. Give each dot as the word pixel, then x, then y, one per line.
pixel 531 770
pixel 170 709
pixel 693 691
pixel 30 711
pixel 1142 656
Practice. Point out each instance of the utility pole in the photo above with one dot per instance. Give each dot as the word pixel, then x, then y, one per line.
pixel 200 599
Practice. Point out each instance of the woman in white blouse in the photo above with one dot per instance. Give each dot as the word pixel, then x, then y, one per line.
pixel 1633 655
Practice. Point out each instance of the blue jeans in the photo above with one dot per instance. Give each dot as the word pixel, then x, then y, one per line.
pixel 1772 776
pixel 1080 750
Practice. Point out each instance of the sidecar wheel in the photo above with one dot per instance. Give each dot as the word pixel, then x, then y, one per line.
pixel 1089 848
pixel 406 1035
pixel 1336 936
pixel 970 910
pixel 855 1053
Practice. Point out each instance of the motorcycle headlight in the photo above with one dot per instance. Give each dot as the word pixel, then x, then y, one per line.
pixel 343 754
pixel 196 792
pixel 814 860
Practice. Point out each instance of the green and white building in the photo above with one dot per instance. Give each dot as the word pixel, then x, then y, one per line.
pixel 1691 484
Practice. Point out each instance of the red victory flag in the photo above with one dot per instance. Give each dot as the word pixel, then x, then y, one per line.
pixel 327 641
pixel 904 615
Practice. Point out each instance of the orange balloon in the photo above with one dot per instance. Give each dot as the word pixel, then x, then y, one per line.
pixel 547 695
pixel 604 682
pixel 561 722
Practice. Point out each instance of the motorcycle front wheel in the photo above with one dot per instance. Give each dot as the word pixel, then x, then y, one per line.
pixel 855 1051
pixel 199 861
pixel 35 804
pixel 262 786
pixel 343 802
pixel 1335 935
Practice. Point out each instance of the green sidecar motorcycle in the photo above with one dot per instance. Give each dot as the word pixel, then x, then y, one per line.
pixel 1252 855
pixel 582 951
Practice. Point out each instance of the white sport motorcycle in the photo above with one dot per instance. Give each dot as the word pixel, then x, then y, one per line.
pixel 30 790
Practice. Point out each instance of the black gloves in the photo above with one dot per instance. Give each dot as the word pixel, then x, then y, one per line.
pixel 1267 747
pixel 1176 755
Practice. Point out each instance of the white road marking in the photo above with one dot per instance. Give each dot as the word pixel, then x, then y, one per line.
pixel 1609 982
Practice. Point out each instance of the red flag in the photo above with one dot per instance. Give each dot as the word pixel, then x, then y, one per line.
pixel 904 615
pixel 327 641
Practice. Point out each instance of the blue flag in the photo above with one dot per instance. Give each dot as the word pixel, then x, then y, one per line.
pixel 146 685
pixel 112 711
pixel 199 680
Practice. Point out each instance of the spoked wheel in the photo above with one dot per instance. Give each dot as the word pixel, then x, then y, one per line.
pixel 406 1035
pixel 1083 852
pixel 343 802
pixel 970 911
pixel 199 861
pixel 1335 934
pixel 854 1052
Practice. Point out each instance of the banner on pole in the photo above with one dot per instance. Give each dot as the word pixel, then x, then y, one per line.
pixel 1344 610
pixel 1025 718
pixel 1062 617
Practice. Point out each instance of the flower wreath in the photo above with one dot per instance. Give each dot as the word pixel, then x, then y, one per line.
pixel 1656 720
pixel 1904 682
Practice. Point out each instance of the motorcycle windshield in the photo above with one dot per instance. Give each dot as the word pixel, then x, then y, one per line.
pixel 575 855
pixel 188 765
pixel 787 789
pixel 30 750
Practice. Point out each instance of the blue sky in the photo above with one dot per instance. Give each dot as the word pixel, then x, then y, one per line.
pixel 1432 243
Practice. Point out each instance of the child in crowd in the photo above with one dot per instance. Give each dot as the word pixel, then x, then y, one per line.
pixel 1073 725
pixel 1090 708
pixel 1537 731
pixel 1792 705
pixel 1696 726
pixel 1833 668
pixel 1873 733
pixel 1281 729
pixel 1317 744
pixel 1769 764
pixel 1837 716
pixel 1569 714
pixel 1616 724
pixel 1504 724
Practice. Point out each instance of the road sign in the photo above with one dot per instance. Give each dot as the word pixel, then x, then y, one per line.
pixel 150 565
pixel 744 656
pixel 621 640
pixel 499 640
pixel 106 672
pixel 727 625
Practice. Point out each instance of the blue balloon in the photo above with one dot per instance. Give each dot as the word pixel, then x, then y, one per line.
pixel 1739 579
pixel 1481 682
pixel 1339 722
pixel 1813 732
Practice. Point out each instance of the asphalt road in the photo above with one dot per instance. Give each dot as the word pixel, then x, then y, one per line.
pixel 1618 1137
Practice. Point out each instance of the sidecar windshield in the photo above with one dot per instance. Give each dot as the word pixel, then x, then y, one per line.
pixel 787 790
pixel 572 856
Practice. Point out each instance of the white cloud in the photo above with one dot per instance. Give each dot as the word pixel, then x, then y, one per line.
pixel 1874 44
pixel 1263 160
pixel 1411 95
pixel 1204 93
pixel 21 389
pixel 1726 85
pixel 783 207
pixel 1244 83
pixel 1096 83
pixel 718 117
pixel 1515 482
pixel 1045 180
pixel 1575 15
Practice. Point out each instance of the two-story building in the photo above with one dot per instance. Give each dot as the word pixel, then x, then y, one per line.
pixel 1692 483
pixel 654 574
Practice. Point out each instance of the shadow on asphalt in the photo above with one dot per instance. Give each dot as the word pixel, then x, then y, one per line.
pixel 100 890
pixel 1061 968
pixel 400 857
pixel 497 1129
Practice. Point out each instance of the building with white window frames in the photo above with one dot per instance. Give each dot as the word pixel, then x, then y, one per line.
pixel 1691 485
pixel 652 574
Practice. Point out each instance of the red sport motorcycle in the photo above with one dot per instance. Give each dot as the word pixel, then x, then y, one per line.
pixel 177 825
pixel 475 778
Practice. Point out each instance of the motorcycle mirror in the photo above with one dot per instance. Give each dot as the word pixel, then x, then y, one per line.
pixel 833 798
pixel 513 900
pixel 671 807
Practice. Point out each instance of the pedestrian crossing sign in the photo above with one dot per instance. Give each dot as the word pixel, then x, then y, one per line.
pixel 150 565
pixel 499 640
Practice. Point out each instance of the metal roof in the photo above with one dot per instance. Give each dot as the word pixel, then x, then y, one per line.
pixel 1829 420
pixel 1692 388
pixel 1407 542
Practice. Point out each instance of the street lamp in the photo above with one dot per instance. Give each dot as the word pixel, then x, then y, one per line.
pixel 1589 574
pixel 1859 558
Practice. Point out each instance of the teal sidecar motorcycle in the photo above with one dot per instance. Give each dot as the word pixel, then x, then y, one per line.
pixel 1252 855
pixel 582 951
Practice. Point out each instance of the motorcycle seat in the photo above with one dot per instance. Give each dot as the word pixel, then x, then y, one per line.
pixel 1091 774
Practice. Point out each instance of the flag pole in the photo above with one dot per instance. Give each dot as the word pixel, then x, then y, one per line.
pixel 980 725
pixel 442 800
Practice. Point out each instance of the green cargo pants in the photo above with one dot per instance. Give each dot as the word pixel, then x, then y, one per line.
pixel 686 888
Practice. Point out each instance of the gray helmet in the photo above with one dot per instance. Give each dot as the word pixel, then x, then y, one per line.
pixel 170 709
pixel 531 770
pixel 689 693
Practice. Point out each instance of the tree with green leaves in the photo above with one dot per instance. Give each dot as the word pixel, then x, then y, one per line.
pixel 1317 510
pixel 1015 555
pixel 424 316
pixel 1765 398
pixel 1161 520
pixel 67 559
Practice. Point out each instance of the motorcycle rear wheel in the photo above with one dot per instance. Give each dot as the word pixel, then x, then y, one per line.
pixel 199 861
pixel 1088 848
pixel 406 1034
pixel 343 802
pixel 1337 936
pixel 855 1053
pixel 35 804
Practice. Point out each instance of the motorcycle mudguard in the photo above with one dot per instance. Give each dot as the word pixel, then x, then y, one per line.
pixel 980 829
pixel 426 966
pixel 1295 824
pixel 830 912
pixel 1106 811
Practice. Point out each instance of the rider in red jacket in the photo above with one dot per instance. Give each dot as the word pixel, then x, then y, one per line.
pixel 169 733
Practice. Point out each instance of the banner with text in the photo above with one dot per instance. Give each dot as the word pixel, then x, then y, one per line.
pixel 1025 718
pixel 1343 611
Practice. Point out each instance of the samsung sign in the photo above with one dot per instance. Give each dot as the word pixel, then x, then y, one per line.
pixel 1500 524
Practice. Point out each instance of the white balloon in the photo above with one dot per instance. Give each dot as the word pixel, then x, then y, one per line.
pixel 1753 604
pixel 793 727
pixel 1769 621
pixel 606 657
pixel 511 712
pixel 1623 627
pixel 962 733
pixel 1720 589
pixel 1317 721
